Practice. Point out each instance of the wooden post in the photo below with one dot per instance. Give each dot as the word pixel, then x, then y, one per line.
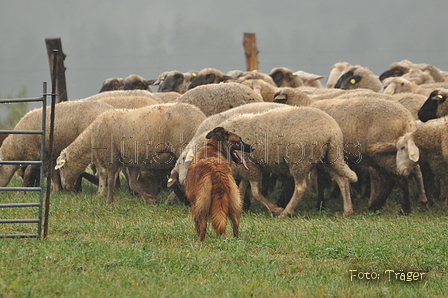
pixel 251 51
pixel 61 88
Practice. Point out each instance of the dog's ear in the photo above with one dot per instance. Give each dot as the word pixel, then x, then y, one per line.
pixel 219 133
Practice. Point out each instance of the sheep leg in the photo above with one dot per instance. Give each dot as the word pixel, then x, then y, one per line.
pixel 300 188
pixel 102 180
pixel 57 184
pixel 418 176
pixel 242 186
pixel 111 179
pixel 256 192
pixel 388 182
pixel 344 187
pixel 406 201
pixel 133 174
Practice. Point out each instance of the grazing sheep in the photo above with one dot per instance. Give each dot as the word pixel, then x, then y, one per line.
pixel 209 76
pixel 284 77
pixel 175 81
pixel 429 142
pixel 335 72
pixel 112 84
pixel 369 127
pixel 144 139
pixel 133 82
pixel 358 77
pixel 71 118
pixel 435 106
pixel 216 98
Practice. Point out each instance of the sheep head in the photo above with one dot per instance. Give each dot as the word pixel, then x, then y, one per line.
pixel 408 155
pixel 429 109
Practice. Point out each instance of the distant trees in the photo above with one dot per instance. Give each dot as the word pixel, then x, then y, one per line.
pixel 11 113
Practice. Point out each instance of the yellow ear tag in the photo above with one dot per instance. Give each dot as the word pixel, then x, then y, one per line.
pixel 62 160
pixel 411 153
pixel 389 91
pixel 294 73
pixel 439 96
pixel 413 82
pixel 411 69
pixel 171 179
pixel 353 81
pixel 193 74
pixel 259 95
pixel 191 154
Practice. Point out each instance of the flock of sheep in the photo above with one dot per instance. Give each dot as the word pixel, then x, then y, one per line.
pixel 362 132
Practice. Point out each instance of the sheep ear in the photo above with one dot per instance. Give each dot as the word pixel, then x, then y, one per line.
pixel 413 151
pixel 173 178
pixel 59 163
pixel 190 155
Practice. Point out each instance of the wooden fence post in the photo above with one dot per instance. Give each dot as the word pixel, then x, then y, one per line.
pixel 61 88
pixel 251 51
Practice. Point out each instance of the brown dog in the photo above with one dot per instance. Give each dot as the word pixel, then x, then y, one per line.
pixel 210 186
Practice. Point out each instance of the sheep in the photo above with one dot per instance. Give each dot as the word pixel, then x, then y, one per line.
pixel 358 77
pixel 285 139
pixel 216 98
pixel 428 143
pixel 397 69
pixel 435 106
pixel 133 82
pixel 411 101
pixel 176 81
pixel 209 76
pixel 284 77
pixel 335 72
pixel 71 118
pixel 253 75
pixel 289 126
pixel 418 76
pixel 112 84
pixel 143 139
pixel 393 85
pixel 292 96
pixel 369 127
pixel 263 89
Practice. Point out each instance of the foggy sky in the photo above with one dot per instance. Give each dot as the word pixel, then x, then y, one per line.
pixel 104 39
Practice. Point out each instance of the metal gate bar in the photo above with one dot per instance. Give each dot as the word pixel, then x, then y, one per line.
pixel 41 189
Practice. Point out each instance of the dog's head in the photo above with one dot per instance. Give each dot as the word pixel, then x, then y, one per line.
pixel 233 143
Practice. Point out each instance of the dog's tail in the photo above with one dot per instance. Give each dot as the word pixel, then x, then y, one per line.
pixel 220 203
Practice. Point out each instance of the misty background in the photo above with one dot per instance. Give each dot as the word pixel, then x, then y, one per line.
pixel 112 38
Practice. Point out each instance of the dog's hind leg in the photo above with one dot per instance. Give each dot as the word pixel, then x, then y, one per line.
pixel 201 206
pixel 235 209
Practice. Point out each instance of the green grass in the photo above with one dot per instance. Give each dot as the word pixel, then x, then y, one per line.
pixel 131 249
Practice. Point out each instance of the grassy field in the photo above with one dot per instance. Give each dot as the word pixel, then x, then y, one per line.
pixel 131 249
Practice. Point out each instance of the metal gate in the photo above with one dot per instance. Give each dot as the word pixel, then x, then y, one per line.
pixel 37 219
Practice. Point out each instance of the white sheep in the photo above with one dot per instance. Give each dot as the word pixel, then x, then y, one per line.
pixel 143 139
pixel 358 77
pixel 71 118
pixel 429 142
pixel 335 72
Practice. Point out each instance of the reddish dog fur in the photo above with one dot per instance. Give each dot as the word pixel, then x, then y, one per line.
pixel 210 185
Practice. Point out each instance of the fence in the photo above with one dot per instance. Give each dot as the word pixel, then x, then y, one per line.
pixel 40 188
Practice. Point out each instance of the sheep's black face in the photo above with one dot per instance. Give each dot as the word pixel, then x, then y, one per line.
pixel 344 78
pixel 394 72
pixel 428 110
pixel 171 83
